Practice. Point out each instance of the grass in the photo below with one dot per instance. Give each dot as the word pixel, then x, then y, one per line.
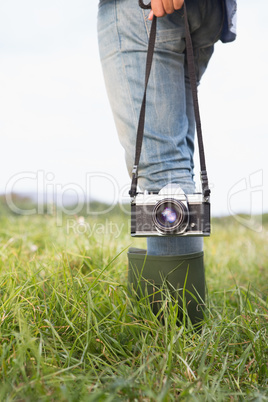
pixel 71 331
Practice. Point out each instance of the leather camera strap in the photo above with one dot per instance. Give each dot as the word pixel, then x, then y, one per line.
pixel 193 83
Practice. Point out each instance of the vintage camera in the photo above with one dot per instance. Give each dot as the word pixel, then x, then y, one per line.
pixel 170 212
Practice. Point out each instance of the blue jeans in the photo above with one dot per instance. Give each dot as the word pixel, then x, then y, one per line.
pixel 168 144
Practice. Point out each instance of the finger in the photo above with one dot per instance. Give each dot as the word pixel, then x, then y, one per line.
pixel 157 8
pixel 168 6
pixel 178 4
pixel 151 15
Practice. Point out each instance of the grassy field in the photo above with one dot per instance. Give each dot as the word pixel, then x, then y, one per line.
pixel 71 331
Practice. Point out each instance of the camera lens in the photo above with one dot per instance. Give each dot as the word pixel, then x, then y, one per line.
pixel 170 216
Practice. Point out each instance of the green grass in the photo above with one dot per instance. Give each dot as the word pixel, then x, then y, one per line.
pixel 71 331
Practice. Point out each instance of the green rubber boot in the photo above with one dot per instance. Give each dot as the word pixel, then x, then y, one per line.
pixel 182 275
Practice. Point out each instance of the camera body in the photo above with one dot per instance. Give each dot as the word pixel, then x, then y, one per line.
pixel 170 212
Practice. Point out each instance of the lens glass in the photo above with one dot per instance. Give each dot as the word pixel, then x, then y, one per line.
pixel 170 216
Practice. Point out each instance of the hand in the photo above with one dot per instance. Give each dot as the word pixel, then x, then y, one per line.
pixel 162 7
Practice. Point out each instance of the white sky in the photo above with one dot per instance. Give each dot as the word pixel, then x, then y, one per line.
pixel 56 123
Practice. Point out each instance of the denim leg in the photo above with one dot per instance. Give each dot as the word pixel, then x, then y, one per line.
pixel 123 38
pixel 168 145
pixel 174 245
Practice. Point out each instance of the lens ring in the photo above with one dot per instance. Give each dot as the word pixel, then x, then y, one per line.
pixel 170 216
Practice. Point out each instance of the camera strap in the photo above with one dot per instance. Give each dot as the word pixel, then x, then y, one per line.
pixel 193 83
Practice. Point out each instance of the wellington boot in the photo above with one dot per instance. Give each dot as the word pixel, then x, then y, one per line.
pixel 182 275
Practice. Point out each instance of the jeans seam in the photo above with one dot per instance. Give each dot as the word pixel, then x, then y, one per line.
pixel 146 27
pixel 123 64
